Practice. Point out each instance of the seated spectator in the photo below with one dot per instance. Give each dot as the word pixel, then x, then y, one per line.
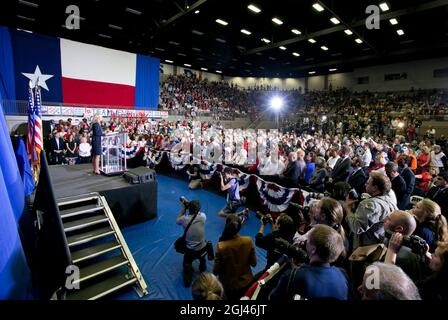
pixel 84 151
pixel 207 287
pixel 366 222
pixel 392 284
pixel 233 259
pixel 324 246
pixel 431 224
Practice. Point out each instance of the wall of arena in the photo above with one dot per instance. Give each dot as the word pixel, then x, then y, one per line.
pixel 419 74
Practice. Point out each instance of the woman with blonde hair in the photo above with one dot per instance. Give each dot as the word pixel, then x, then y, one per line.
pixel 423 160
pixel 432 225
pixel 207 287
pixel 97 132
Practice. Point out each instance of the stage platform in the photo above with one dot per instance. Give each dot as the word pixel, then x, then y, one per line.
pixel 130 204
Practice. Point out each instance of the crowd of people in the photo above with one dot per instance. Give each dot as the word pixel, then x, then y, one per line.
pixel 363 221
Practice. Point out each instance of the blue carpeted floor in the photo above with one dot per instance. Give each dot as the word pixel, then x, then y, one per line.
pixel 151 242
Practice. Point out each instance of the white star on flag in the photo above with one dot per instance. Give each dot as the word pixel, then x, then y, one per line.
pixel 38 77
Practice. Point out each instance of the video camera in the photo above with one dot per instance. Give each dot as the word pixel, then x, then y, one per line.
pixel 297 253
pixel 415 243
pixel 267 218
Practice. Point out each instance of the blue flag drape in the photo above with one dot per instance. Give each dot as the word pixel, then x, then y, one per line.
pixel 7 78
pixel 14 273
pixel 147 82
pixel 24 168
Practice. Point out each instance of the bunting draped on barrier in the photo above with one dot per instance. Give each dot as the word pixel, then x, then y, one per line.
pixel 206 171
pixel 178 161
pixel 275 197
pixel 130 152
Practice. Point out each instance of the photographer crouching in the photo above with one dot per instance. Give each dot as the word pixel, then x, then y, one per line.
pixel 194 233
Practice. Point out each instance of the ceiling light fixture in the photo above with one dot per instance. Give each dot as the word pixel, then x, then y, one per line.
pixel 384 6
pixel 187 65
pixel 324 48
pixel 277 21
pixel 295 31
pixel 359 41
pixel 222 22
pixel 335 20
pixel 311 40
pixel 400 32
pixel 265 40
pixel 254 8
pixel 169 61
pixel 348 32
pixel 133 11
pixel 318 7
pixel 282 48
pixel 247 32
pixel 295 54
pixel 393 21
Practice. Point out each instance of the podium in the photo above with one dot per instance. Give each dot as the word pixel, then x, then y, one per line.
pixel 113 157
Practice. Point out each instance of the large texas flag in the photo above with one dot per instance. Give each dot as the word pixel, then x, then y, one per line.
pixel 78 73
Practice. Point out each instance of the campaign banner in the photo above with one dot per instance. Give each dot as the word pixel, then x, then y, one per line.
pixel 79 112
pixel 89 113
pixel 67 111
pixel 56 111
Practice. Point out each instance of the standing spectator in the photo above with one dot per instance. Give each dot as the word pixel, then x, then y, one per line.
pixel 357 178
pixel 398 185
pixel 57 147
pixel 366 222
pixel 234 201
pixel 194 177
pixel 394 284
pixel 439 193
pixel 71 150
pixel 235 255
pixel 431 224
pixel 84 151
pixel 324 246
pixel 439 159
pixel 207 287
pixel 97 133
pixel 195 238
pixel 317 181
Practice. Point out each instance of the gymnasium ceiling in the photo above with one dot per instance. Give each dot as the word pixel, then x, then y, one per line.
pixel 186 32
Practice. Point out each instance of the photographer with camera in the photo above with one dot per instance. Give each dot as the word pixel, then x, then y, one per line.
pixel 404 250
pixel 318 279
pixel 196 245
pixel 233 195
pixel 194 178
pixel 282 227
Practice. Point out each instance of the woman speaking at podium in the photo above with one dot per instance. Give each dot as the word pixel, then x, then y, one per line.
pixel 97 132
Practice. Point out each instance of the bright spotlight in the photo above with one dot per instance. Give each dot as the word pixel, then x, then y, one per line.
pixel 276 103
pixel 324 118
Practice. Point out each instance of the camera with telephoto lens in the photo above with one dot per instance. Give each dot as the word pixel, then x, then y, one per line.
pixel 297 253
pixel 352 194
pixel 185 202
pixel 415 243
